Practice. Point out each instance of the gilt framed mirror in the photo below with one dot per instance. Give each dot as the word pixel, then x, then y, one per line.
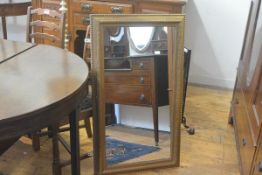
pixel 145 89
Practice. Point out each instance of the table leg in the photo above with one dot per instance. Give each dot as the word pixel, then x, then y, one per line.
pixel 4 27
pixel 155 120
pixel 56 155
pixel 74 142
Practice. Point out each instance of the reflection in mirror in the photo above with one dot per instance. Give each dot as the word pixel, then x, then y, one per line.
pixel 142 80
pixel 117 34
pixel 140 37
pixel 137 86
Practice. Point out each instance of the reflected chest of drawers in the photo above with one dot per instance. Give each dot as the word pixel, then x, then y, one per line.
pixel 142 81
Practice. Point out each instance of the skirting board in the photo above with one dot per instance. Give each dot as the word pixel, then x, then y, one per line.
pixel 210 81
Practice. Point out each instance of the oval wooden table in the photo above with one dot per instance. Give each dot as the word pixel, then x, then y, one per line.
pixel 38 87
pixel 12 8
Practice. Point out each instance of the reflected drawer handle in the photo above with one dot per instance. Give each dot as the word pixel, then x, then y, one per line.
pixel 86 21
pixel 244 142
pixel 117 10
pixel 141 65
pixel 86 7
pixel 142 97
pixel 260 166
pixel 142 80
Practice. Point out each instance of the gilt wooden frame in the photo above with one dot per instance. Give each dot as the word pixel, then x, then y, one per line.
pixel 175 72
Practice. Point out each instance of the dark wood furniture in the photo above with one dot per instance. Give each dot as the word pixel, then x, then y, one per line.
pixel 48 26
pixel 78 19
pixel 143 83
pixel 8 50
pixel 246 113
pixel 39 87
pixel 79 12
pixel 12 8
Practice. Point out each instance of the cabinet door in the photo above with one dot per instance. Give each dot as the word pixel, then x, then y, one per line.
pixel 244 139
pixel 252 86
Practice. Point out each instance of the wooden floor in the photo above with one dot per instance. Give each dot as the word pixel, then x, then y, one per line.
pixel 211 151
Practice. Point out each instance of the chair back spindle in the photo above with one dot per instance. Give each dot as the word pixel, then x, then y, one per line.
pixel 45 26
pixel 87 48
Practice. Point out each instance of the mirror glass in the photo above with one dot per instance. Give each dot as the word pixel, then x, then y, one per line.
pixel 140 37
pixel 136 87
pixel 139 70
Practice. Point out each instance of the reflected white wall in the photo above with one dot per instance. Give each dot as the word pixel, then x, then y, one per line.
pixel 142 117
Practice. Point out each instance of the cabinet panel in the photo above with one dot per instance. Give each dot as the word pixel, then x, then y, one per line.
pixel 244 138
pixel 251 74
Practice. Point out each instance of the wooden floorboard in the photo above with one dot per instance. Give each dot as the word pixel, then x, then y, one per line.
pixel 211 151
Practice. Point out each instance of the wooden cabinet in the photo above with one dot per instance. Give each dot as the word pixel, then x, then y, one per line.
pixel 244 138
pixel 79 11
pixel 246 107
pixel 79 18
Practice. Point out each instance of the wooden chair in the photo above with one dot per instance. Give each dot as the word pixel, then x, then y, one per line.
pixel 87 48
pixel 45 26
pixel 86 113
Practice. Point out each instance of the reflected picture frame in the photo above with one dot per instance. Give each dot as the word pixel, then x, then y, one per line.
pixel 175 70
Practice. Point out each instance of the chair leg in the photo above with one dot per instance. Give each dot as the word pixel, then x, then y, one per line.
pixel 4 27
pixel 88 127
pixel 35 142
pixel 56 156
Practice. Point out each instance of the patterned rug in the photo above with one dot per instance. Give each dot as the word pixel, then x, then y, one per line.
pixel 119 151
